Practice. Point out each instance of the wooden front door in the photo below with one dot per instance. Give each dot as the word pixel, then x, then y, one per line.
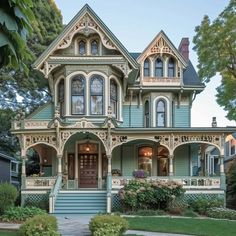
pixel 88 170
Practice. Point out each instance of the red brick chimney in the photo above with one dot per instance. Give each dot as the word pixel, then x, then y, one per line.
pixel 184 48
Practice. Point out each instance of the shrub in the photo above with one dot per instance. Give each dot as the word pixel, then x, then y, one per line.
pixel 189 213
pixel 221 213
pixel 143 194
pixel 8 195
pixel 21 213
pixel 108 225
pixel 177 206
pixel 202 204
pixel 148 213
pixel 41 225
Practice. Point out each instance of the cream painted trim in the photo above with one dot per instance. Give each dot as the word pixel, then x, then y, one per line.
pixel 204 191
pixel 33 192
pixel 167 110
pixel 56 92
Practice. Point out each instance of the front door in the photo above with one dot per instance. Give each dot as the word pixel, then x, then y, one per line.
pixel 88 170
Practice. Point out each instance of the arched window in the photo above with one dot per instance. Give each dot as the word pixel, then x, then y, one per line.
pixel 82 48
pixel 61 97
pixel 78 95
pixel 145 159
pixel 94 47
pixel 171 68
pixel 146 68
pixel 146 114
pixel 113 97
pixel 159 68
pixel 96 95
pixel 160 113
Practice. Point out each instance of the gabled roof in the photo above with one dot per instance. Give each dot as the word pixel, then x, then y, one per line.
pixel 162 34
pixel 64 34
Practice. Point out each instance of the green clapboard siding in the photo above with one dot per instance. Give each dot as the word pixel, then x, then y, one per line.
pixel 128 160
pixel 116 159
pixel 182 116
pixel 181 161
pixel 43 113
pixel 136 116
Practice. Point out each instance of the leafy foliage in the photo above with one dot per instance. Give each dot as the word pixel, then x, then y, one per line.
pixel 41 225
pixel 8 195
pixel 143 194
pixel 21 213
pixel 231 186
pixel 203 204
pixel 215 44
pixel 108 225
pixel 221 213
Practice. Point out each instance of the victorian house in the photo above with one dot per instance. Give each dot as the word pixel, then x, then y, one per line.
pixel 113 112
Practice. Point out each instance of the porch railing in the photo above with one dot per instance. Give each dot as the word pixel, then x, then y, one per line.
pixel 39 182
pixel 187 182
pixel 53 193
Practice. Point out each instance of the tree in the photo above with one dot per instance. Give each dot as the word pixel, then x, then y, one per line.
pixel 19 91
pixel 231 186
pixel 14 25
pixel 215 44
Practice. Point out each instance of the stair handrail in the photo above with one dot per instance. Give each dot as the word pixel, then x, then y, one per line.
pixel 53 193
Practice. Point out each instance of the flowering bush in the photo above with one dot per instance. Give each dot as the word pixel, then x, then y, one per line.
pixel 140 174
pixel 143 194
pixel 221 213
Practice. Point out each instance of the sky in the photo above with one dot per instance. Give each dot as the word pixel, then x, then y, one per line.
pixel 136 22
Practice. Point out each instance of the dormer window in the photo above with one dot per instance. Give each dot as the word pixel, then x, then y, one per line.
pixel 96 95
pixel 113 97
pixel 82 48
pixel 61 96
pixel 159 68
pixel 94 47
pixel 160 114
pixel 78 95
pixel 146 68
pixel 171 68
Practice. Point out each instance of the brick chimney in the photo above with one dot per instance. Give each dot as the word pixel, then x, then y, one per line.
pixel 184 48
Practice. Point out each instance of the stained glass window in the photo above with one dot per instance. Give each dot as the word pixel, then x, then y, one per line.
pixel 171 68
pixel 78 95
pixel 146 69
pixel 161 114
pixel 113 97
pixel 158 68
pixel 96 95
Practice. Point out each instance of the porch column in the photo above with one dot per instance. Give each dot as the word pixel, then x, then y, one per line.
pixel 109 184
pixel 23 173
pixel 171 169
pixel 59 167
pixel 203 148
pixel 222 173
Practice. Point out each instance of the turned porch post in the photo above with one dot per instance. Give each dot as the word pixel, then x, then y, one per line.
pixel 59 166
pixel 109 184
pixel 222 173
pixel 171 168
pixel 23 173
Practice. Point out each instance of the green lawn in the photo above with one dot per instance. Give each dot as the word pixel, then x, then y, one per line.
pixel 8 233
pixel 201 227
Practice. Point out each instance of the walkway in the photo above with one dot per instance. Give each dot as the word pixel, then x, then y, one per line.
pixel 77 225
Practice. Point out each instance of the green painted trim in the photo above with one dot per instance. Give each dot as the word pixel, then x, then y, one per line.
pixel 84 10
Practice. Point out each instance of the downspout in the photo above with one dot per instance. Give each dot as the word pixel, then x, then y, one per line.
pixel 131 98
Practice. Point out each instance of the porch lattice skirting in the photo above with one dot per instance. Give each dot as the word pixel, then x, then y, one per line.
pixel 34 198
pixel 116 203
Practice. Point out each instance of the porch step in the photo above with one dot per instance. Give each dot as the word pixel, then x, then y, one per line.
pixel 84 202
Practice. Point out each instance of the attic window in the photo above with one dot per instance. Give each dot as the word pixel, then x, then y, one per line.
pixel 146 68
pixel 94 47
pixel 82 50
pixel 171 68
pixel 158 68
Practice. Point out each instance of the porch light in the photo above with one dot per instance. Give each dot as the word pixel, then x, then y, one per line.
pixel 87 147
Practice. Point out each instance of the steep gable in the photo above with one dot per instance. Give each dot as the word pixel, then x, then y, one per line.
pixel 85 22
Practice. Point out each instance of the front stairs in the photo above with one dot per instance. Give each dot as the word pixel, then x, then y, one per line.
pixel 80 202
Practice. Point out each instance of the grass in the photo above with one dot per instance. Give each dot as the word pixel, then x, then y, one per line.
pixel 8 233
pixel 200 227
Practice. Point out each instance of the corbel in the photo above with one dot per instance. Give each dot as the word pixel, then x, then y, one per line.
pixel 193 98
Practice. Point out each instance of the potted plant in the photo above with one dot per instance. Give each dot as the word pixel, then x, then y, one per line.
pixel 140 173
pixel 116 172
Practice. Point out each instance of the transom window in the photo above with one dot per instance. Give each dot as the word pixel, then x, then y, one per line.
pixel 146 68
pixel 159 68
pixel 171 68
pixel 94 47
pixel 96 95
pixel 113 97
pixel 82 48
pixel 78 95
pixel 61 96
pixel 160 114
